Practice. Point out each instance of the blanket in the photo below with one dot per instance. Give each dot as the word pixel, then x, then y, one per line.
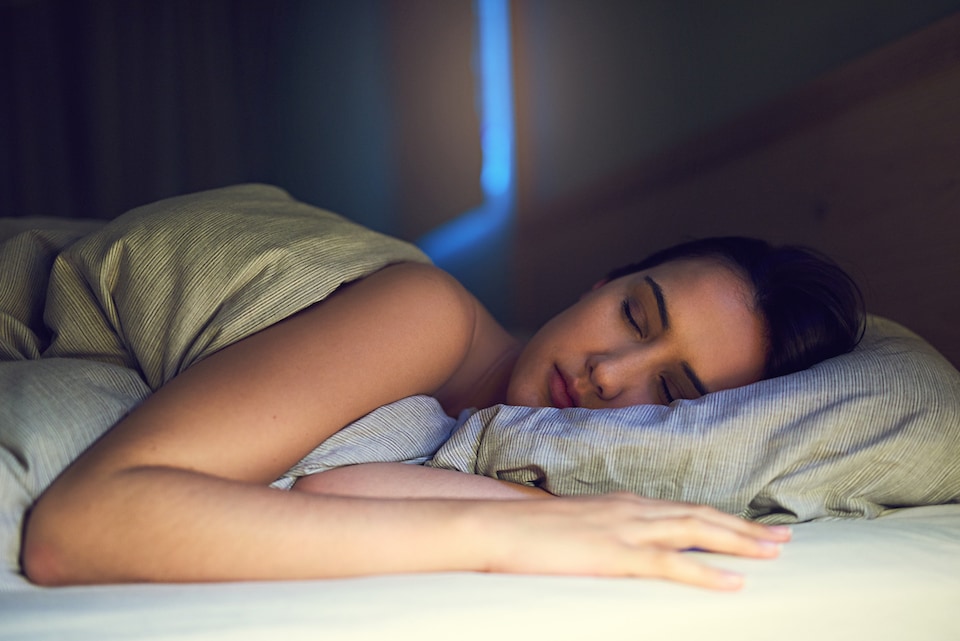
pixel 167 284
pixel 94 316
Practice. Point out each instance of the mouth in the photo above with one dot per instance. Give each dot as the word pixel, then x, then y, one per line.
pixel 560 396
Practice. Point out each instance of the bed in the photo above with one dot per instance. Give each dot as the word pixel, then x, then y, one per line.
pixel 892 578
pixel 860 453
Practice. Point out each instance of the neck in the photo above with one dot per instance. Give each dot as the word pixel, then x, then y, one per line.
pixel 492 388
pixel 484 386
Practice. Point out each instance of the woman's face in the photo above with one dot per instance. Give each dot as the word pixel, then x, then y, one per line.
pixel 678 330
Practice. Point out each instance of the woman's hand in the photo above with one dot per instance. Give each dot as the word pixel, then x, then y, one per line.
pixel 621 535
pixel 612 535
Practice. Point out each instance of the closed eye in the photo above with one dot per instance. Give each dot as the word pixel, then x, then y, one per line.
pixel 630 318
pixel 666 391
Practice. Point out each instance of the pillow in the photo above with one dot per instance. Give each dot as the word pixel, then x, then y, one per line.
pixel 51 410
pixel 850 437
pixel 853 436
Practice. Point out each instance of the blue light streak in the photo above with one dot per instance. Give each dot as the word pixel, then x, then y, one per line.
pixel 495 106
pixel 496 97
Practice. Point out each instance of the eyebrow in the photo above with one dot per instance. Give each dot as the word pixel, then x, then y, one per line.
pixel 665 322
pixel 661 304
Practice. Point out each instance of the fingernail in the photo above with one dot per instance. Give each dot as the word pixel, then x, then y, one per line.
pixel 771 547
pixel 731 580
pixel 781 529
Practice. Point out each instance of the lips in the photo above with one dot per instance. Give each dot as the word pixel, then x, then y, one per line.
pixel 560 396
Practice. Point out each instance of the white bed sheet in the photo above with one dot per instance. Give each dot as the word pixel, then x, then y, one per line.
pixel 896 578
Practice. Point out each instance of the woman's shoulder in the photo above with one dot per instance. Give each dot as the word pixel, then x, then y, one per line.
pixel 480 378
pixel 442 325
pixel 420 306
pixel 420 288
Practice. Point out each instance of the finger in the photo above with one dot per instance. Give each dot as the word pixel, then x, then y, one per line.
pixel 686 532
pixel 658 508
pixel 775 533
pixel 674 566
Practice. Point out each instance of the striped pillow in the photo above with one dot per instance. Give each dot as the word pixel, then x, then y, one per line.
pixel 51 410
pixel 852 436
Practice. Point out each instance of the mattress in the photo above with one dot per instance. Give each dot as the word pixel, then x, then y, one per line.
pixel 896 577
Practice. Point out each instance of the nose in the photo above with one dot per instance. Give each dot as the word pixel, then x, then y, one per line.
pixel 621 378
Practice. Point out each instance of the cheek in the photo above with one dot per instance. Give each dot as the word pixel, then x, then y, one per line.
pixel 555 343
pixel 521 389
pixel 528 379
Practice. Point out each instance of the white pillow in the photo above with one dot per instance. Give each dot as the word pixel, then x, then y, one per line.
pixel 51 410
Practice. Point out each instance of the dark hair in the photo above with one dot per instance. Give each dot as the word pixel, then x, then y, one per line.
pixel 811 308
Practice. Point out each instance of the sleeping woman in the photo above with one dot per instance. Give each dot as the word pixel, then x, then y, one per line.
pixel 178 490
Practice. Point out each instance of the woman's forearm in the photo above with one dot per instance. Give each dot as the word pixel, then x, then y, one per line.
pixel 400 480
pixel 162 524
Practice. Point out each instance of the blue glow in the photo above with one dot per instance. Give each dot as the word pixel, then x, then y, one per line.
pixel 463 232
pixel 496 96
pixel 495 106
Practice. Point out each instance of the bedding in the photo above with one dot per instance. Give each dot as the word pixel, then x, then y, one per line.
pixel 169 283
pixel 99 316
pixel 50 411
pixel 849 437
pixel 94 316
pixel 893 578
pixel 875 429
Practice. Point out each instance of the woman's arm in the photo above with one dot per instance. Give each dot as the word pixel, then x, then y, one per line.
pixel 177 489
pixel 662 529
pixel 403 481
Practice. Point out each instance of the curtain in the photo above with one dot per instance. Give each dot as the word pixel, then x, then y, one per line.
pixel 108 104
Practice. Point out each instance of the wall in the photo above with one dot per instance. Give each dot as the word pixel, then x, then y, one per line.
pixel 108 104
pixel 365 106
pixel 604 85
pixel 859 163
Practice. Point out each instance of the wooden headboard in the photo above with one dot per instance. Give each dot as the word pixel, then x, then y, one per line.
pixel 863 164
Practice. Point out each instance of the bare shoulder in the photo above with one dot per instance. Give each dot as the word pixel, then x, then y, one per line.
pixel 403 330
pixel 454 328
pixel 421 283
pixel 418 304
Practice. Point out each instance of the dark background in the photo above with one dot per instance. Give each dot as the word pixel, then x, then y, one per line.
pixel 368 107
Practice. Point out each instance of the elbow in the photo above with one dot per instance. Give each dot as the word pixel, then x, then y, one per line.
pixel 39 565
pixel 42 556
